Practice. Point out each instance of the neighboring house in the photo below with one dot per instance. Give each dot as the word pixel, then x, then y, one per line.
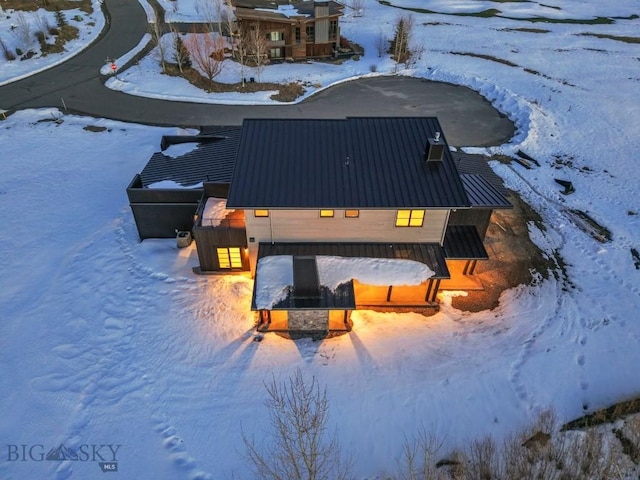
pixel 295 29
pixel 332 215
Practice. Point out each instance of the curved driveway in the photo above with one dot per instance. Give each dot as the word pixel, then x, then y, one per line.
pixel 467 118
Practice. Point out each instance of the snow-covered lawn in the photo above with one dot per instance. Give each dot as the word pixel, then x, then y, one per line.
pixel 106 340
pixel 18 32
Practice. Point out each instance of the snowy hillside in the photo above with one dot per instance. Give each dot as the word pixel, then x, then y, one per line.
pixel 110 341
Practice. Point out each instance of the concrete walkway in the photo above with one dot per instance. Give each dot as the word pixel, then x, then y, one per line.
pixel 466 117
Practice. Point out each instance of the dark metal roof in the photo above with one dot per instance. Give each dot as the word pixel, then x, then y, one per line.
pixel 431 254
pixel 212 160
pixel 482 194
pixel 346 163
pixel 462 242
pixel 477 164
pixel 306 282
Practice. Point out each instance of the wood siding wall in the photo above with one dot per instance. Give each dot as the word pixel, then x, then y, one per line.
pixel 370 226
pixel 209 239
pixel 322 31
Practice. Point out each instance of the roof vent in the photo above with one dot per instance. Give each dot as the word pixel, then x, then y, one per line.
pixel 434 150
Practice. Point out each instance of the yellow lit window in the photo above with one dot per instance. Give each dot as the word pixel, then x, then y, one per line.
pixel 261 213
pixel 229 257
pixel 326 213
pixel 352 213
pixel 410 218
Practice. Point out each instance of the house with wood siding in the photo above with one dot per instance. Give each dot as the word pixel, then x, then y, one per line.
pixel 292 202
pixel 295 29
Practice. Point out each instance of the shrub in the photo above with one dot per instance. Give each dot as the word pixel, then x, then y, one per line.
pixel 8 54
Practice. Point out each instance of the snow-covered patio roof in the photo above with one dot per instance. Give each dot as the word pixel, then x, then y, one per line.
pixel 274 279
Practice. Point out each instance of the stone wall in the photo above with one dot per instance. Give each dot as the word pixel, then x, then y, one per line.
pixel 309 320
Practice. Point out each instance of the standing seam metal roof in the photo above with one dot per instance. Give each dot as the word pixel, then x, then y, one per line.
pixel 212 160
pixel 347 163
pixel 482 194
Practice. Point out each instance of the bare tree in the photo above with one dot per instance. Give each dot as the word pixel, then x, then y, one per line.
pixel 219 7
pixel 258 48
pixel 241 54
pixel 207 53
pixel 156 34
pixel 416 52
pixel 382 43
pixel 297 447
pixel 42 24
pixel 357 7
pixel 22 31
pixel 8 54
pixel 230 27
pixel 420 456
pixel 211 12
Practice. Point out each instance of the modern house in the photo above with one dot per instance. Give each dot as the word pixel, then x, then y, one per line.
pixel 294 29
pixel 333 215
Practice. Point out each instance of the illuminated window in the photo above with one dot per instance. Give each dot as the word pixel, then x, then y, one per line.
pixel 261 213
pixel 326 213
pixel 410 218
pixel 352 213
pixel 229 257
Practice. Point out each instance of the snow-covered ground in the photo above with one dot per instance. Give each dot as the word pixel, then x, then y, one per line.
pixel 18 31
pixel 105 340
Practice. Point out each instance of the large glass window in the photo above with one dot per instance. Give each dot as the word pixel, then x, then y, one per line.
pixel 261 213
pixel 229 257
pixel 311 33
pixel 409 218
pixel 333 29
pixel 326 213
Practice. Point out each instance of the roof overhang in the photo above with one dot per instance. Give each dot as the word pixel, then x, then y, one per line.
pixel 482 194
pixel 462 242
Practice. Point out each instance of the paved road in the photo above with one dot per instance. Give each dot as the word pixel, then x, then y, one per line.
pixel 467 118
